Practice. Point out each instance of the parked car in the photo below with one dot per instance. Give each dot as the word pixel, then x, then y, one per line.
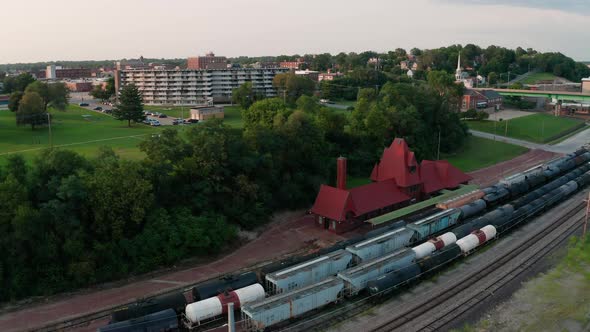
pixel 155 123
pixel 97 108
pixel 107 111
pixel 191 121
pixel 83 104
pixel 162 115
pixel 177 121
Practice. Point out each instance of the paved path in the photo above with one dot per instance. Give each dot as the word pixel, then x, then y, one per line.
pixel 569 145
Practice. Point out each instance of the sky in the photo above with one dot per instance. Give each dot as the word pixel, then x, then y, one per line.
pixel 41 30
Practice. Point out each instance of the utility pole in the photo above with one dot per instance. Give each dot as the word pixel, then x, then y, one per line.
pixel 587 201
pixel 49 123
pixel 231 324
pixel 506 129
pixel 438 152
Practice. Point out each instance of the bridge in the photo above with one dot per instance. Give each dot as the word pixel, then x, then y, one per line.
pixel 558 95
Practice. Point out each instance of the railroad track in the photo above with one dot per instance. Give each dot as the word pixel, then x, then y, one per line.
pixel 418 315
pixel 431 313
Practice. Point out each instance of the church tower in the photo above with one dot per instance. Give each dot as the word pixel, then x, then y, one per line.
pixel 458 72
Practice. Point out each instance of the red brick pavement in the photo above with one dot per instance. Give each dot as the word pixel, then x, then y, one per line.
pixel 490 175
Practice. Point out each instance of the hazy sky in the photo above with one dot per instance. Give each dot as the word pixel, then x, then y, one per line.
pixel 43 30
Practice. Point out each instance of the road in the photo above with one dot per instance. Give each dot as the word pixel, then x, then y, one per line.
pixel 569 145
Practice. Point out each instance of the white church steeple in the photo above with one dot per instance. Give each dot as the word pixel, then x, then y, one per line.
pixel 458 72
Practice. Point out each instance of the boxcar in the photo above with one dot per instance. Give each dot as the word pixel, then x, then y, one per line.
pixel 381 244
pixel 282 307
pixel 356 278
pixel 435 223
pixel 308 273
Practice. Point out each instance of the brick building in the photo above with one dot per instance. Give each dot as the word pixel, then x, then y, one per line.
pixel 399 180
pixel 296 65
pixel 80 86
pixel 209 61
pixel 474 99
pixel 55 72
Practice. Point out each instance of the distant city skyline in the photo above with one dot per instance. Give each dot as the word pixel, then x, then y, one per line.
pixel 58 30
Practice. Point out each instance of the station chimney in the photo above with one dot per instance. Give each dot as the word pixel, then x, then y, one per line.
pixel 341 170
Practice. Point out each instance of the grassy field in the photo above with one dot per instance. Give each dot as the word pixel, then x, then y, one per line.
pixel 538 128
pixel 76 129
pixel 233 116
pixel 534 78
pixel 480 152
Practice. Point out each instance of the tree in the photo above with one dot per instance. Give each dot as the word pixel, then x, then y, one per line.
pixel 492 78
pixel 293 86
pixel 130 105
pixel 106 92
pixel 263 113
pixel 99 93
pixel 55 95
pixel 14 100
pixel 17 83
pixel 31 110
pixel 308 104
pixel 244 95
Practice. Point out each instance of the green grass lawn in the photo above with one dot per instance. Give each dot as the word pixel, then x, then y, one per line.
pixel 534 78
pixel 538 128
pixel 233 116
pixel 480 152
pixel 72 130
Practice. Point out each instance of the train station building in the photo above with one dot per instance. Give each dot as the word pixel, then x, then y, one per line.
pixel 398 180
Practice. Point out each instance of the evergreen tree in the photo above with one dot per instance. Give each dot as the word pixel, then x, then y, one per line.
pixel 130 106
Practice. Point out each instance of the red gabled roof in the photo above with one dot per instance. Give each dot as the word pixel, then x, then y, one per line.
pixel 332 203
pixel 440 174
pixel 376 195
pixel 429 173
pixel 396 163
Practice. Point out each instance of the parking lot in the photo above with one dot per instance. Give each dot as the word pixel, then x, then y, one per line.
pixel 91 105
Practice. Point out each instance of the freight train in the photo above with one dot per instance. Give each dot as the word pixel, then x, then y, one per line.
pixel 384 254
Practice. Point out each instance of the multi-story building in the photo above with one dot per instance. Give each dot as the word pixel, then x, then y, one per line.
pixel 56 72
pixel 329 76
pixel 196 87
pixel 296 65
pixel 209 61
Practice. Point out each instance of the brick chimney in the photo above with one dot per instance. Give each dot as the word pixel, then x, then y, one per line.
pixel 341 173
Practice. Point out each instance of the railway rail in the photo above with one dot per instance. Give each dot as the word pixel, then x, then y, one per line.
pixel 430 314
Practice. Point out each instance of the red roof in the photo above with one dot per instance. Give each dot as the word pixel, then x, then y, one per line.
pixel 332 203
pixel 335 203
pixel 398 163
pixel 440 174
pixel 376 195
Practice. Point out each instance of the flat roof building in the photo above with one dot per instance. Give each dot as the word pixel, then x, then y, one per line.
pixel 207 112
pixel 209 61
pixel 198 86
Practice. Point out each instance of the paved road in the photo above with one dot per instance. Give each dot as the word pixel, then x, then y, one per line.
pixel 569 145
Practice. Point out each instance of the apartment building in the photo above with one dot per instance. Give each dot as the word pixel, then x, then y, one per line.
pixel 196 87
pixel 209 61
